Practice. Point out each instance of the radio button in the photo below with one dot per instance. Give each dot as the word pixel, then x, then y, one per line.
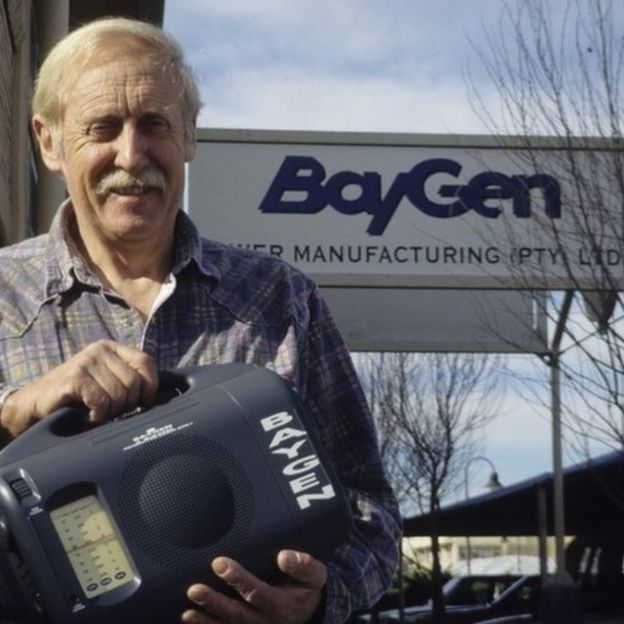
pixel 21 488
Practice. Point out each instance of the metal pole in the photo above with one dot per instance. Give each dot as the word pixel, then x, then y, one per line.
pixel 401 584
pixel 468 553
pixel 558 496
pixel 559 600
pixel 542 527
pixel 555 386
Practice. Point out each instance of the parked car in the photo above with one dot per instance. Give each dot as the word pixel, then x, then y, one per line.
pixel 595 564
pixel 469 599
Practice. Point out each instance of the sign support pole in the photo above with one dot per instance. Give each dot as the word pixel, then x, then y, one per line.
pixel 559 602
pixel 558 486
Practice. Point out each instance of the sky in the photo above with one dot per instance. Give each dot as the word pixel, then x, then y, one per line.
pixel 363 66
pixel 368 65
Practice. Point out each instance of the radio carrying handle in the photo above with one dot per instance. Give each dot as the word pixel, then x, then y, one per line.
pixel 72 419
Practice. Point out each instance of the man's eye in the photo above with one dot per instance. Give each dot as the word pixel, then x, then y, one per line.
pixel 155 125
pixel 103 130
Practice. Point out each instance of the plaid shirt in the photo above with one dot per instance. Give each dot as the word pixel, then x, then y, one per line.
pixel 220 305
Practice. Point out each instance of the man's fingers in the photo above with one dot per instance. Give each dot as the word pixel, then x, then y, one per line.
pixel 109 394
pixel 193 616
pixel 96 400
pixel 204 597
pixel 113 379
pixel 108 377
pixel 143 365
pixel 251 589
pixel 217 608
pixel 292 601
pixel 303 568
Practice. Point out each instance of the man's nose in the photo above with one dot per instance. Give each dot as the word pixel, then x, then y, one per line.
pixel 131 154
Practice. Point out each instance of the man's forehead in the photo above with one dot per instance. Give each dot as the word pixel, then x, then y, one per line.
pixel 127 70
pixel 122 59
pixel 128 80
pixel 122 47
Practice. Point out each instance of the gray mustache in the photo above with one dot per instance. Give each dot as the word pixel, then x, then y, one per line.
pixel 119 179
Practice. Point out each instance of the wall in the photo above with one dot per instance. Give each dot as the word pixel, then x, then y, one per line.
pixel 14 184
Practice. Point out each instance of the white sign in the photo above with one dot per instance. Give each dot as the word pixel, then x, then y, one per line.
pixel 395 211
pixel 411 319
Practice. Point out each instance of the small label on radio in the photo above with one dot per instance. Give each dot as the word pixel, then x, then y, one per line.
pixel 155 433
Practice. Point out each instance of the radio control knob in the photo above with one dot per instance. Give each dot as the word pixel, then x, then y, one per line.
pixel 21 488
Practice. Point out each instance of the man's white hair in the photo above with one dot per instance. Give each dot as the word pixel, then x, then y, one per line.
pixel 80 48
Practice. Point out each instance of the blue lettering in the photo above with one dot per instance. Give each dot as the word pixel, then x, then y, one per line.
pixel 483 187
pixel 292 177
pixel 416 191
pixel 551 192
pixel 352 193
pixel 369 185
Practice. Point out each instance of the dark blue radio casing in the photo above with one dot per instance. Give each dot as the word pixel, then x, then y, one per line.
pixel 113 523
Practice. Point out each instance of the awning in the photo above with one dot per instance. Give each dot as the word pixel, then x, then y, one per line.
pixel 593 499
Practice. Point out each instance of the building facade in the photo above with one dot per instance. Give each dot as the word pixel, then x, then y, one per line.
pixel 510 554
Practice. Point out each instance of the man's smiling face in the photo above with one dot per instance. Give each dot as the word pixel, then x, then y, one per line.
pixel 124 145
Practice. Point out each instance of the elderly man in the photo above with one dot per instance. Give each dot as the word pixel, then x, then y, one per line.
pixel 124 286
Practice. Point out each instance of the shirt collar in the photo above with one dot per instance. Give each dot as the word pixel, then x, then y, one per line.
pixel 188 249
pixel 64 262
pixel 65 265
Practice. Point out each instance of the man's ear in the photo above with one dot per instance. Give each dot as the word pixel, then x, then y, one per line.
pixel 48 143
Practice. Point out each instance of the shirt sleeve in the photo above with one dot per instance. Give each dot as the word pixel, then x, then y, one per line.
pixel 361 569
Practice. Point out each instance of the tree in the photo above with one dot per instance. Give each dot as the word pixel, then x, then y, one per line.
pixel 429 409
pixel 557 70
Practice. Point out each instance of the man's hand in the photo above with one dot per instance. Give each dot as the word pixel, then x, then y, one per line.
pixel 292 602
pixel 108 377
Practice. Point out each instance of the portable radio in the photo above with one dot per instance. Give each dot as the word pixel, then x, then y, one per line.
pixel 113 523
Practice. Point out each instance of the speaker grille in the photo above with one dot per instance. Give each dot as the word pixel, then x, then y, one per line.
pixel 184 499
